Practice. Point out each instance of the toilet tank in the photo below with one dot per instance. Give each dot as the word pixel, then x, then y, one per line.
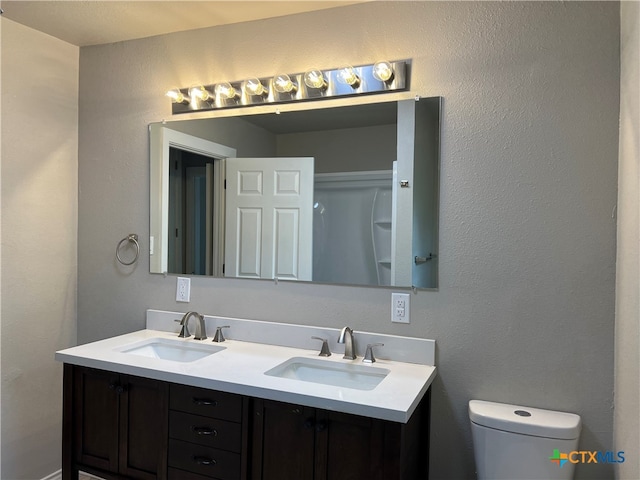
pixel 513 442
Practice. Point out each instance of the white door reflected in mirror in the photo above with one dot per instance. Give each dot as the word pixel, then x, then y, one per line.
pixel 269 218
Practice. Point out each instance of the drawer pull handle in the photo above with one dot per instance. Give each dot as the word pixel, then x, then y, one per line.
pixel 204 461
pixel 205 401
pixel 205 431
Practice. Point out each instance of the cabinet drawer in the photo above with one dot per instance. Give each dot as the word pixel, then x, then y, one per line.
pixel 207 431
pixel 202 460
pixel 208 403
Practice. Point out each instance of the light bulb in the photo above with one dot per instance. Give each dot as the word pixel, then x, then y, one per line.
pixel 201 93
pixel 315 79
pixel 226 91
pixel 348 76
pixel 282 83
pixel 177 96
pixel 383 71
pixel 254 86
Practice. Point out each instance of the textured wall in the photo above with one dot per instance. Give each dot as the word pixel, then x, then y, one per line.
pixel 39 243
pixel 525 308
pixel 627 389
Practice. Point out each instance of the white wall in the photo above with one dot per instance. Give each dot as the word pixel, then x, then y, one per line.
pixel 627 371
pixel 39 243
pixel 525 307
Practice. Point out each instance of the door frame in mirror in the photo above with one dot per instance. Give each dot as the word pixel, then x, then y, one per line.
pixel 162 139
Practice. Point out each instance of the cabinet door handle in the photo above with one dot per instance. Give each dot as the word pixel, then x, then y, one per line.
pixel 321 426
pixel 309 423
pixel 204 461
pixel 119 389
pixel 205 431
pixel 204 401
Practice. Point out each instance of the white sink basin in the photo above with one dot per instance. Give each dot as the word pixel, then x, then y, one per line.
pixel 359 377
pixel 174 350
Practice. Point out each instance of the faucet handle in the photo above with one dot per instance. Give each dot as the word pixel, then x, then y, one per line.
pixel 324 351
pixel 368 356
pixel 184 331
pixel 219 337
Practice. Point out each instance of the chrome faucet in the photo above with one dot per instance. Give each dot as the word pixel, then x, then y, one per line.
pixel 201 333
pixel 346 337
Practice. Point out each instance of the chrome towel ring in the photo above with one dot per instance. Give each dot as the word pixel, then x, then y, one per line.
pixel 133 238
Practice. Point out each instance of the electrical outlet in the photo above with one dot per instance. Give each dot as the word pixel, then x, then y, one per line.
pixel 400 308
pixel 183 289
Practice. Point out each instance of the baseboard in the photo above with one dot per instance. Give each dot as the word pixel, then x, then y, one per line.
pixel 58 476
pixel 54 476
pixel 88 476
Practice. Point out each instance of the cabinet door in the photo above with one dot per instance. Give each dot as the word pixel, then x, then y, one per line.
pixel 144 413
pixel 96 418
pixel 283 441
pixel 349 447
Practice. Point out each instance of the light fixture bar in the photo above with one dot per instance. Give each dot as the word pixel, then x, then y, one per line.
pixel 368 82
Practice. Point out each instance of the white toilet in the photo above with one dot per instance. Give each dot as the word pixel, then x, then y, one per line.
pixel 517 443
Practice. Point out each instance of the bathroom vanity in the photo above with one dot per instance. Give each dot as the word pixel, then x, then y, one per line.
pixel 149 405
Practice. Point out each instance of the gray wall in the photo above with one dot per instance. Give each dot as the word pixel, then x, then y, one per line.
pixel 627 371
pixel 525 309
pixel 39 232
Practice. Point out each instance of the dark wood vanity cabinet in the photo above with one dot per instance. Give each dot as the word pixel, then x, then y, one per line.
pixel 115 425
pixel 119 426
pixel 293 442
pixel 207 434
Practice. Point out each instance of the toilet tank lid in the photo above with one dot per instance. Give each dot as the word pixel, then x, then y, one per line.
pixel 525 420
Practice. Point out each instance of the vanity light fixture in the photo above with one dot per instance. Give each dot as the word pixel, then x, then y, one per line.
pixel 177 96
pixel 314 78
pixel 383 71
pixel 348 76
pixel 226 91
pixel 254 87
pixel 282 83
pixel 314 84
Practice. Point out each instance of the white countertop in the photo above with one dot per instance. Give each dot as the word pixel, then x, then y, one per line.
pixel 240 367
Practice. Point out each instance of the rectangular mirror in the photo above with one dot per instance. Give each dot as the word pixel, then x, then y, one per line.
pixel 342 195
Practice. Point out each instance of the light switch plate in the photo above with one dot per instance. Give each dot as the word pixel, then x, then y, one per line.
pixel 400 308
